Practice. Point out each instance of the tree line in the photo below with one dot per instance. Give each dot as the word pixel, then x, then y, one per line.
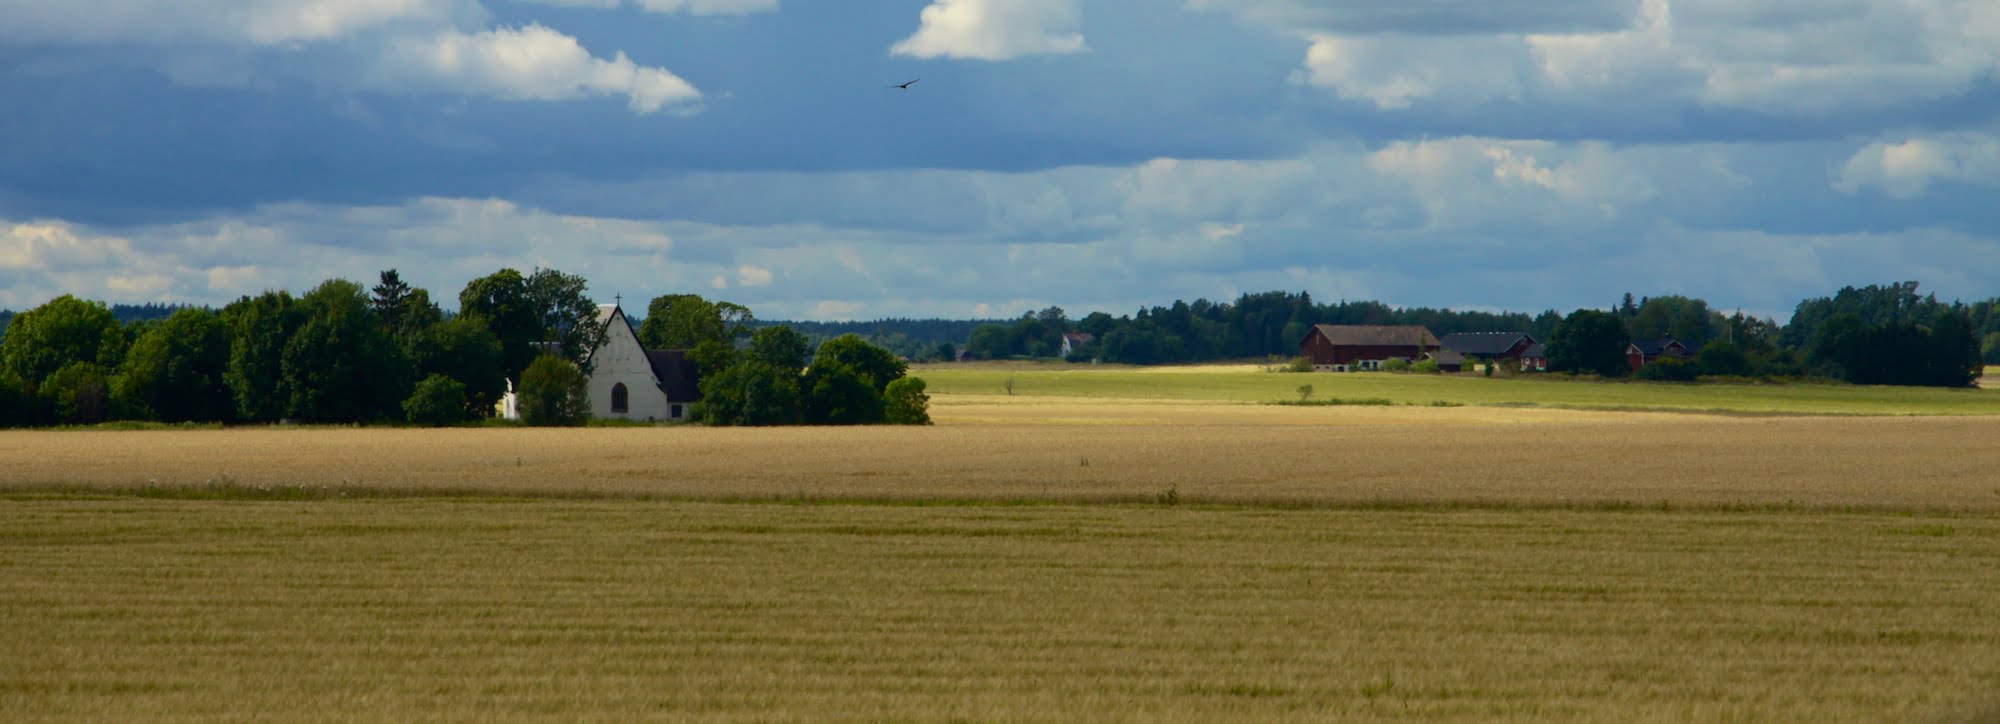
pixel 1870 335
pixel 342 353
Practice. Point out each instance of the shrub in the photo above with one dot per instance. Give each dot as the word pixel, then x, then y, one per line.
pixel 79 393
pixel 751 392
pixel 837 394
pixel 1669 369
pixel 1305 392
pixel 1425 367
pixel 1396 365
pixel 554 393
pixel 19 406
pixel 437 401
pixel 906 404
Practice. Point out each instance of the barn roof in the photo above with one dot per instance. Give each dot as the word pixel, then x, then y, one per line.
pixel 1371 335
pixel 1536 350
pixel 1483 343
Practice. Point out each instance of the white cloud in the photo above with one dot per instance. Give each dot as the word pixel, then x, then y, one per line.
pixel 1905 170
pixel 255 22
pixel 529 63
pixel 393 45
pixel 1766 55
pixel 1392 71
pixel 995 30
pixel 691 7
pixel 752 276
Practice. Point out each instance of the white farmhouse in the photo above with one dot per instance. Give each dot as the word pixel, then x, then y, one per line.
pixel 630 382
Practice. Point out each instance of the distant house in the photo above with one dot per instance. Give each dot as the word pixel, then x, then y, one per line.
pixel 1075 340
pixel 1488 345
pixel 1642 351
pixel 1345 347
pixel 1535 358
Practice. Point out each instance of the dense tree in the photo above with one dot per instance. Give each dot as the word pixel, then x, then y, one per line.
pixel 436 401
pixel 259 329
pixel 1589 341
pixel 1684 319
pixel 751 392
pixel 554 392
pixel 404 312
pixel 682 321
pixel 175 371
pixel 779 347
pixel 339 367
pixel 500 301
pixel 1722 357
pixel 837 394
pixel 78 394
pixel 565 317
pixel 463 349
pixel 19 406
pixel 1952 356
pixel 877 365
pixel 905 403
pixel 61 332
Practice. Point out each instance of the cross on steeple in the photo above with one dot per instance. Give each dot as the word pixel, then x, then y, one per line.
pixel 618 300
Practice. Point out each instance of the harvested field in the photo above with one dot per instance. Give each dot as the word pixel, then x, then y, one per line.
pixel 1232 454
pixel 128 609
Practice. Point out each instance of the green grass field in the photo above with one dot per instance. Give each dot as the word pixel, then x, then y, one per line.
pixel 1240 383
pixel 124 609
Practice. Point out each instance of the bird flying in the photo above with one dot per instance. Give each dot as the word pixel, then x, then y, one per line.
pixel 904 86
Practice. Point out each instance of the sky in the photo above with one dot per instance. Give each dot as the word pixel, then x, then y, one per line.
pixel 1089 154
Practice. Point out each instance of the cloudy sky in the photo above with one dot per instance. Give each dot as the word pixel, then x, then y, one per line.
pixel 1094 154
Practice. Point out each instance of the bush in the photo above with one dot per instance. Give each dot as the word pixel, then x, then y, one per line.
pixel 1396 365
pixel 837 394
pixel 1425 366
pixel 437 401
pixel 1669 369
pixel 906 404
pixel 1722 358
pixel 19 407
pixel 554 393
pixel 79 393
pixel 751 393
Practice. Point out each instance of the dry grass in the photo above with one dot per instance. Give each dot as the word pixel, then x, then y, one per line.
pixel 412 609
pixel 1255 454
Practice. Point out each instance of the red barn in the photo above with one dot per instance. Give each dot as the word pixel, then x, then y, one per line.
pixel 1639 352
pixel 1344 347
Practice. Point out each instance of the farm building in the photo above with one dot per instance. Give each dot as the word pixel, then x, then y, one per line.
pixel 1535 358
pixel 1344 347
pixel 1488 345
pixel 1073 341
pixel 1642 351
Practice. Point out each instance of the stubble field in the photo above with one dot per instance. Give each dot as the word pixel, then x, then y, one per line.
pixel 1031 556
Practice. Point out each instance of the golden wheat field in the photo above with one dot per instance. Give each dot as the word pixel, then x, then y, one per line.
pixel 1034 449
pixel 1026 558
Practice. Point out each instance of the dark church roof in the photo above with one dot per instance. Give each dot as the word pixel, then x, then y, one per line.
pixel 676 374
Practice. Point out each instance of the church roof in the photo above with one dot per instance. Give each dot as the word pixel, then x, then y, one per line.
pixel 675 373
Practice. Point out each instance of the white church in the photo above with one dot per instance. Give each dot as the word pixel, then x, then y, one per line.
pixel 628 381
